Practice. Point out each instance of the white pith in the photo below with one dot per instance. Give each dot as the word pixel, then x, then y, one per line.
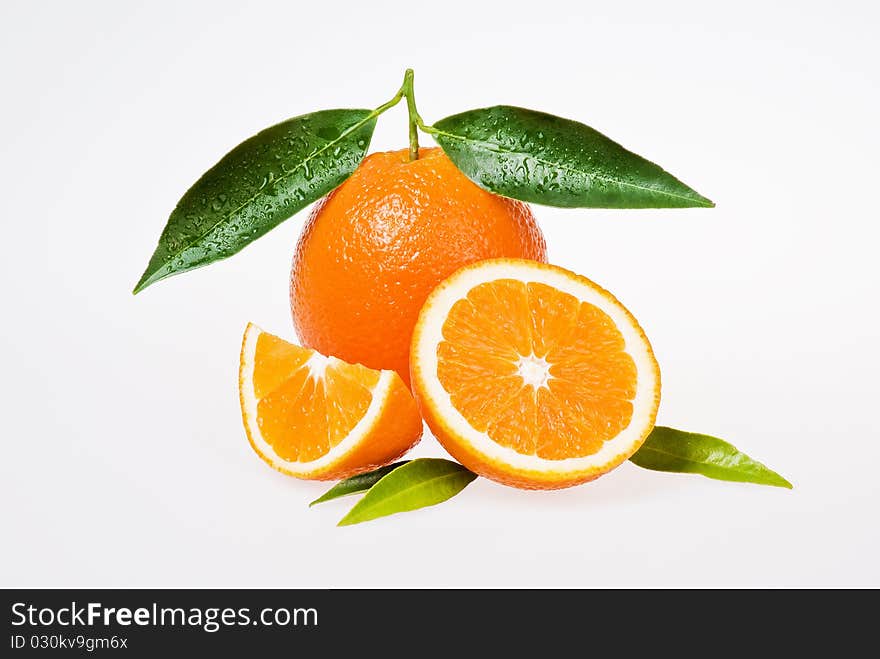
pixel 317 364
pixel 430 335
pixel 534 370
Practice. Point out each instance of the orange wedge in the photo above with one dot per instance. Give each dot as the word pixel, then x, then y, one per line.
pixel 532 375
pixel 317 417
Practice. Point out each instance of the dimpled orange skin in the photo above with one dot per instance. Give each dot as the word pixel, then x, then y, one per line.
pixel 374 248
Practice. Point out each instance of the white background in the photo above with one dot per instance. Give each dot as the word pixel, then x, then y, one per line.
pixel 124 461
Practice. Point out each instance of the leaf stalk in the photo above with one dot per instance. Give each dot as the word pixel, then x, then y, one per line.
pixel 415 120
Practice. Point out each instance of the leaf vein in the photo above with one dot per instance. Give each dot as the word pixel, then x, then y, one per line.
pixel 410 488
pixel 491 146
pixel 260 192
pixel 685 459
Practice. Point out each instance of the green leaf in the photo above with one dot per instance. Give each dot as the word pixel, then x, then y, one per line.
pixel 417 484
pixel 536 157
pixel 258 185
pixel 358 483
pixel 667 449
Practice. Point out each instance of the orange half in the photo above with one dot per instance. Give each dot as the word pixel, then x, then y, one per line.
pixel 318 417
pixel 532 375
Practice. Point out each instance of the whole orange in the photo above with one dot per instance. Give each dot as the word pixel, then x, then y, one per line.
pixel 374 248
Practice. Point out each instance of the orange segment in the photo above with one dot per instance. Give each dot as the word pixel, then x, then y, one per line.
pixel 350 395
pixel 313 416
pixel 502 308
pixel 533 375
pixel 553 316
pixel 278 360
pixel 515 425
